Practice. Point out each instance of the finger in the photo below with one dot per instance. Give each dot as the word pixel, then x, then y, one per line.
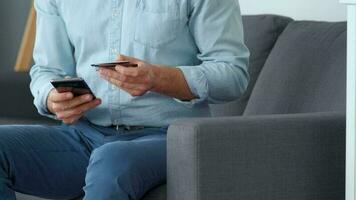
pixel 85 107
pixel 77 101
pixel 78 110
pixel 135 93
pixel 136 61
pixel 67 105
pixel 131 71
pixel 133 89
pixel 72 120
pixel 109 73
pixel 122 57
pixel 127 86
pixel 59 97
pixel 123 78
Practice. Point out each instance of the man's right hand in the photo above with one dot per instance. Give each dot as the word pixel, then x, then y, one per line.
pixel 68 108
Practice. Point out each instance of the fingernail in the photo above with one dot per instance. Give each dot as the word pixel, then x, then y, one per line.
pixel 69 95
pixel 87 97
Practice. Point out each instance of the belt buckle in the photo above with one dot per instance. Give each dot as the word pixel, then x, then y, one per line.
pixel 126 127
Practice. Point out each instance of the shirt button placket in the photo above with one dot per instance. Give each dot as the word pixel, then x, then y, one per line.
pixel 115 36
pixel 115 13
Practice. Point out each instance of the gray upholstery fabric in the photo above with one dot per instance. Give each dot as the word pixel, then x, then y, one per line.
pixel 24 121
pixel 158 193
pixel 261 33
pixel 305 72
pixel 16 103
pixel 18 100
pixel 272 157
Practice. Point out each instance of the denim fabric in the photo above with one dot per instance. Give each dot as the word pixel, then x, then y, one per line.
pixel 64 162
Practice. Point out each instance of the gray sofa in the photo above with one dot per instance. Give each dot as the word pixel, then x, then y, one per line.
pixel 285 138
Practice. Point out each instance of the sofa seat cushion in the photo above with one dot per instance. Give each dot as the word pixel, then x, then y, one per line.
pixel 261 33
pixel 27 121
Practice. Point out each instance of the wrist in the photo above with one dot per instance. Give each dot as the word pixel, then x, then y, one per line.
pixel 48 103
pixel 170 81
pixel 158 78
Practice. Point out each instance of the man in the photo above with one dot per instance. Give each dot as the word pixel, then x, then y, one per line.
pixel 189 53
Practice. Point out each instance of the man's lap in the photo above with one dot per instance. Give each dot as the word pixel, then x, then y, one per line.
pixel 51 161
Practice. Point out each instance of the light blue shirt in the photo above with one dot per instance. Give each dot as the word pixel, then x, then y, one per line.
pixel 203 38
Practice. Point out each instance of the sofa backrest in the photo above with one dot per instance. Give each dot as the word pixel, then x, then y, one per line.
pixel 261 33
pixel 16 103
pixel 305 72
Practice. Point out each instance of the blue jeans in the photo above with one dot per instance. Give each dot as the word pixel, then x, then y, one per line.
pixel 64 162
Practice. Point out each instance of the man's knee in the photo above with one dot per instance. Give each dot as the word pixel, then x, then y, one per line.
pixel 7 142
pixel 115 155
pixel 119 164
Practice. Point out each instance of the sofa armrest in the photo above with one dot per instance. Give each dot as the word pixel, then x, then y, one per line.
pixel 272 157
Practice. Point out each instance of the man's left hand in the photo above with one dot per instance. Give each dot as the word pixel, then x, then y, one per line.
pixel 134 80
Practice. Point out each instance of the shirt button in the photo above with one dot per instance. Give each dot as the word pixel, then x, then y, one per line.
pixel 115 13
pixel 113 50
pixel 113 87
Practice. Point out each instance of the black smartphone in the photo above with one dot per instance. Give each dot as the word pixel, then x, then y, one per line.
pixel 113 64
pixel 75 85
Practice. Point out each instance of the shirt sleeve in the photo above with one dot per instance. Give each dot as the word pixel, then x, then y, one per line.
pixel 53 53
pixel 217 29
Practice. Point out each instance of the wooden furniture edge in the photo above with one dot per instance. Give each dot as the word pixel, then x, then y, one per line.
pixel 24 57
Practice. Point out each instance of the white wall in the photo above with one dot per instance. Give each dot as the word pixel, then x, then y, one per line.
pixel 325 10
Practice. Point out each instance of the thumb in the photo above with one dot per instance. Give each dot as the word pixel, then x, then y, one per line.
pixel 122 57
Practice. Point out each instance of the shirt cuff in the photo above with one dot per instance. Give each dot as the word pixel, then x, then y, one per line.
pixel 41 100
pixel 197 82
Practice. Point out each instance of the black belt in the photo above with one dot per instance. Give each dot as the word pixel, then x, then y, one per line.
pixel 130 128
